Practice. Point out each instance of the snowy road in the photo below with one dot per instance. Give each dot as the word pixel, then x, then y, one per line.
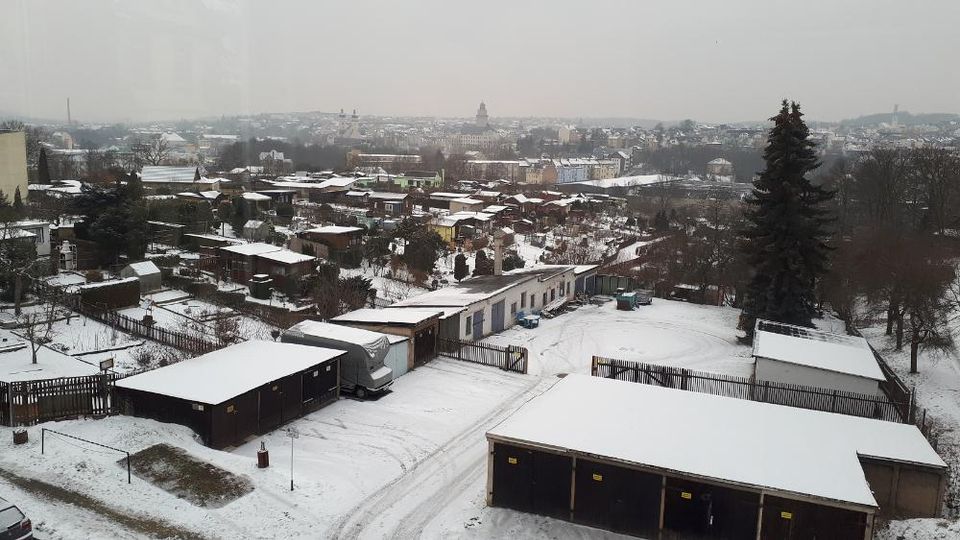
pixel 402 508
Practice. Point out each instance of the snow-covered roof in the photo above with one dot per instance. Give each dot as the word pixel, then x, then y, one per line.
pixel 755 444
pixel 144 268
pixel 467 200
pixel 256 197
pixel 286 256
pixel 333 229
pixel 165 174
pixel 816 349
pixel 388 316
pixel 226 373
pixel 256 248
pixel 466 292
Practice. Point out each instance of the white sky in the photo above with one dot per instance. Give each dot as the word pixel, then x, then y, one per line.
pixel 727 60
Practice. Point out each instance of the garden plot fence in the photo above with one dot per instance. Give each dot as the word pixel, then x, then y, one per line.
pixel 804 397
pixel 178 340
pixel 30 402
pixel 509 358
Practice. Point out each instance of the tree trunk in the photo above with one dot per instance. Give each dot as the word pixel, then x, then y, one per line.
pixel 900 332
pixel 914 349
pixel 891 310
pixel 17 293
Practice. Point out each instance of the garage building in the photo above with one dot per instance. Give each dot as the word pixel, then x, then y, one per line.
pixel 421 326
pixel 642 460
pixel 805 356
pixel 232 393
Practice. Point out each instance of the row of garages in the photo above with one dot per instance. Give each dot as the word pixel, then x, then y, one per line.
pixel 663 463
pixel 643 503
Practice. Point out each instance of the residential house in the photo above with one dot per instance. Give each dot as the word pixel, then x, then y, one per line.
pixel 341 244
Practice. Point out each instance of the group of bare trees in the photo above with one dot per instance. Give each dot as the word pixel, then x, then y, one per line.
pixel 893 245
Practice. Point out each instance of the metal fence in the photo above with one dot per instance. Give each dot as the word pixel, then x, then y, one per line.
pixel 31 402
pixel 509 358
pixel 804 397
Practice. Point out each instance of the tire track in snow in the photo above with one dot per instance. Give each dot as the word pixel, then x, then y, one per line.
pixel 393 511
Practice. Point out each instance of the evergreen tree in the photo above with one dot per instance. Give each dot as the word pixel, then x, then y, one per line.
pixel 43 168
pixel 460 268
pixel 785 240
pixel 483 265
pixel 18 209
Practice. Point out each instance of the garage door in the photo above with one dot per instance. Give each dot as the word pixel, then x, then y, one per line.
pixel 496 316
pixel 270 407
pixel 531 481
pixel 784 519
pixel 618 499
pixel 705 511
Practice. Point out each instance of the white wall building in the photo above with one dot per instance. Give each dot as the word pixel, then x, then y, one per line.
pixel 804 356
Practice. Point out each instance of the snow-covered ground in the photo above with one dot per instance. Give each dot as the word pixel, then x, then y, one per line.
pixel 666 332
pixel 411 464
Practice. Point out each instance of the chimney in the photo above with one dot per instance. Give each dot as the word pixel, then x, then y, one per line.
pixel 498 253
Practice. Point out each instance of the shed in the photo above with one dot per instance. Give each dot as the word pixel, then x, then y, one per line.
pixel 806 356
pixel 256 230
pixel 396 358
pixel 736 469
pixel 146 273
pixel 232 393
pixel 421 326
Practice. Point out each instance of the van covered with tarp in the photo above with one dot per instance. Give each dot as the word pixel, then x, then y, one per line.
pixel 362 370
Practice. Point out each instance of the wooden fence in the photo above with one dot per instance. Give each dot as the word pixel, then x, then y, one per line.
pixel 179 340
pixel 804 397
pixel 509 358
pixel 30 402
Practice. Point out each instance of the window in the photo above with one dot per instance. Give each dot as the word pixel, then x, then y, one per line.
pixel 553 294
pixel 469 324
pixel 523 300
pixel 513 308
pixel 544 299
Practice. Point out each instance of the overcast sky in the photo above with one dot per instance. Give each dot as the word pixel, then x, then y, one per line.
pixel 714 61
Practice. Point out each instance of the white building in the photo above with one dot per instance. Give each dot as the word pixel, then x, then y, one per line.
pixel 488 304
pixel 804 356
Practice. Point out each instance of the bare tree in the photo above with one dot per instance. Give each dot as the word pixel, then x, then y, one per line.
pixel 38 325
pixel 935 173
pixel 151 152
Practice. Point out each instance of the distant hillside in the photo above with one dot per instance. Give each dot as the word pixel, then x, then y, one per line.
pixel 903 117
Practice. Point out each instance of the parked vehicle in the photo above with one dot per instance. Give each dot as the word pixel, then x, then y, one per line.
pixel 14 525
pixel 361 370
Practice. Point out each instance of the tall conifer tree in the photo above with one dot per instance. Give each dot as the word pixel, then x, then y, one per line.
pixel 785 240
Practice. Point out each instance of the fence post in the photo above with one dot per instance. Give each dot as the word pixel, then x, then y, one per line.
pixel 833 404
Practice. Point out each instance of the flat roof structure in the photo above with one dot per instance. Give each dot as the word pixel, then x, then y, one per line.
pixel 333 229
pixel 286 256
pixel 223 374
pixel 256 248
pixel 389 316
pixel 816 349
pixel 776 449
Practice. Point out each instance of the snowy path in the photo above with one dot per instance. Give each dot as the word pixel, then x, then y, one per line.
pixel 402 508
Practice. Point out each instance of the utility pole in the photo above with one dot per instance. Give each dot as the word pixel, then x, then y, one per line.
pixel 293 434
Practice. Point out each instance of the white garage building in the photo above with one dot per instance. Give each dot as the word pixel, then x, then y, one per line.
pixel 796 355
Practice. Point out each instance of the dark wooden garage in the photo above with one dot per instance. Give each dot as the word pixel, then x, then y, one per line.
pixel 617 498
pixel 667 463
pixel 234 393
pixel 532 481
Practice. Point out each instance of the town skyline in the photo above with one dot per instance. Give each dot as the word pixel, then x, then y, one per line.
pixel 139 62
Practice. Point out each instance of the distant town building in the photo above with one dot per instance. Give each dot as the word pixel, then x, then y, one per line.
pixel 482 119
pixel 719 167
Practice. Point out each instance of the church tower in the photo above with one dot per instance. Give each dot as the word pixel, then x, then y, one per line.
pixel 482 118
